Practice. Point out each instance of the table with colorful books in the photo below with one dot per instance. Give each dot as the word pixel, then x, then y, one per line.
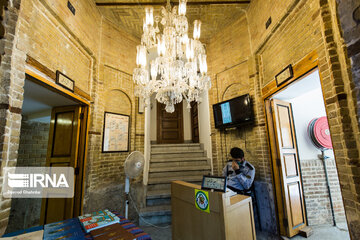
pixel 101 225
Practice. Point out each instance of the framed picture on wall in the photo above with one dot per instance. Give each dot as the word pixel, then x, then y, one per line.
pixel 116 133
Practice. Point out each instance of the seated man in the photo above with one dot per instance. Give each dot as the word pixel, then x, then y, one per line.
pixel 240 173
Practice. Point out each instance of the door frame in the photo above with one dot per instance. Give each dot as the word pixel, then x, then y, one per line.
pixel 301 69
pixel 83 138
pixel 193 105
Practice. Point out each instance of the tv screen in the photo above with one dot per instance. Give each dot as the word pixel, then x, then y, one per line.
pixel 233 112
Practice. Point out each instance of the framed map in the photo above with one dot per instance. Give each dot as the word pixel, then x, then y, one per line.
pixel 116 132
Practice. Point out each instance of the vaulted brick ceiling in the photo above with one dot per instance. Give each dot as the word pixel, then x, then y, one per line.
pixel 214 14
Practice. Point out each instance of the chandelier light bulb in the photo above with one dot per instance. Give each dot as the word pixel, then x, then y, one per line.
pixel 141 56
pixel 149 16
pixel 161 45
pixel 190 50
pixel 153 70
pixel 197 29
pixel 182 7
pixel 202 64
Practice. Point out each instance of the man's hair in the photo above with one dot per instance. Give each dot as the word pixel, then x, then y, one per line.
pixel 236 153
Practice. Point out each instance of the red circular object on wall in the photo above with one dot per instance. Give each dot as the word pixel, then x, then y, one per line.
pixel 322 132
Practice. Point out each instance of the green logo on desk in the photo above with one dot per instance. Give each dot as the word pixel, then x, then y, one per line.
pixel 202 200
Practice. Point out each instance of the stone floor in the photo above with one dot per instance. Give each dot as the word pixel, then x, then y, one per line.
pixel 320 233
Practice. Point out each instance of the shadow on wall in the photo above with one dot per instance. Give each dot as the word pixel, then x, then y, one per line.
pixel 25 212
pixel 113 198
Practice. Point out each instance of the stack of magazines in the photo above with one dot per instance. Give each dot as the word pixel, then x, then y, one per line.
pixel 68 229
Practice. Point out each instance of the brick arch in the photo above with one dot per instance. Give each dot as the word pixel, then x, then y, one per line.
pixel 234 90
pixel 118 101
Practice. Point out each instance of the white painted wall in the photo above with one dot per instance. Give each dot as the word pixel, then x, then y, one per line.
pixel 307 103
pixel 153 118
pixel 204 126
pixel 147 144
pixel 305 108
pixel 187 123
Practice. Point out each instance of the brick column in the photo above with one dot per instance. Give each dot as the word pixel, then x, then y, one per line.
pixel 12 77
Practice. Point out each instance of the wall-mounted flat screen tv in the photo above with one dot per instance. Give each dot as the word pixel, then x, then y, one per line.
pixel 233 112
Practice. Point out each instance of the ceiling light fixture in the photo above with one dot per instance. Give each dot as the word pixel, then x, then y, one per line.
pixel 179 71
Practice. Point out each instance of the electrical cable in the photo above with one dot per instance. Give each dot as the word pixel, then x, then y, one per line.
pixel 161 227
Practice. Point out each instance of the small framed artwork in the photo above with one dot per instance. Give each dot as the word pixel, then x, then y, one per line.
pixel 116 133
pixel 65 81
pixel 286 74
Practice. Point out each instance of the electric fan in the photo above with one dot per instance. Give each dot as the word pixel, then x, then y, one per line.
pixel 133 167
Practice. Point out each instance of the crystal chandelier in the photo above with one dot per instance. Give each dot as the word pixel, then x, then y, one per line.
pixel 179 71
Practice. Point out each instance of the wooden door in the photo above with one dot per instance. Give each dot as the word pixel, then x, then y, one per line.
pixel 194 122
pixel 64 136
pixel 170 125
pixel 287 161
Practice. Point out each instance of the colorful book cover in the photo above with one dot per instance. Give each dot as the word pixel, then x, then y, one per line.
pixel 98 219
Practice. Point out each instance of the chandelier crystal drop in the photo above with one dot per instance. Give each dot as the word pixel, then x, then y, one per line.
pixel 179 71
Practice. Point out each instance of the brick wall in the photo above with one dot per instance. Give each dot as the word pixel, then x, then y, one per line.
pixel 298 28
pixel 10 100
pixel 49 33
pixel 316 194
pixel 98 57
pixel 304 27
pixel 114 93
pixel 33 144
pixel 349 17
pixel 233 73
pixel 32 152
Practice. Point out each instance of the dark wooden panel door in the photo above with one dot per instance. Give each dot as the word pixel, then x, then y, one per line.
pixel 288 161
pixel 62 152
pixel 194 122
pixel 170 125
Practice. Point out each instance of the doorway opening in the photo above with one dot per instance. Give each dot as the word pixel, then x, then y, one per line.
pixel 181 126
pixel 306 184
pixel 53 133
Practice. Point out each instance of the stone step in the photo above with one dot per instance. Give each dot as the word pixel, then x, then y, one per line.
pixel 158 201
pixel 168 180
pixel 178 159
pixel 156 194
pixel 179 169
pixel 158 197
pixel 155 210
pixel 155 215
pixel 167 185
pixel 169 154
pixel 178 164
pixel 175 147
pixel 179 174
